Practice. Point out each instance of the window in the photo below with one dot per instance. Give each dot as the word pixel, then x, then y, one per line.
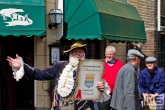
pixel 161 51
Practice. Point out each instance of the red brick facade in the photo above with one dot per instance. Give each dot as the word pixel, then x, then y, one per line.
pixel 163 9
pixel 148 11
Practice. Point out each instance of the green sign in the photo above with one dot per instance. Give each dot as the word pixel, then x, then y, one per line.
pixel 22 17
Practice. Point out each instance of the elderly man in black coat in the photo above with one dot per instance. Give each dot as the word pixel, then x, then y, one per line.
pixel 64 75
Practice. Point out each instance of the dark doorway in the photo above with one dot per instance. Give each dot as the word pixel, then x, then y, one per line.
pixel 15 94
pixel 161 51
pixel 93 48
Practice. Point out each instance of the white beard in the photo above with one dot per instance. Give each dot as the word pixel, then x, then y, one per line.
pixel 74 60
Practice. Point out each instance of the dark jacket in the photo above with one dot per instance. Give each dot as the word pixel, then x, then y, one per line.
pixel 53 73
pixel 152 83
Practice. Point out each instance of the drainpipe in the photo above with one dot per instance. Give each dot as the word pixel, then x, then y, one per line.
pixel 159 15
pixel 158 29
pixel 59 30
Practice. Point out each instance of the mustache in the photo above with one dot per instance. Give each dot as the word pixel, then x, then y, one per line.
pixel 78 57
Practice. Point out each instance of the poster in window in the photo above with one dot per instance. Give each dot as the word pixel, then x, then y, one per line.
pixel 55 54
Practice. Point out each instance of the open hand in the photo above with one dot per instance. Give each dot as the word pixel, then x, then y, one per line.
pixel 14 62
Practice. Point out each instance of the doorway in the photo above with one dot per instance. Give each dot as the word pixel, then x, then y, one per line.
pixel 16 94
pixel 93 48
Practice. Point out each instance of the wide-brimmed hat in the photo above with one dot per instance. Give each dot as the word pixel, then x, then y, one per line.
pixel 76 45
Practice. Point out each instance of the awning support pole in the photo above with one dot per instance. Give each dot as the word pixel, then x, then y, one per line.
pixel 159 29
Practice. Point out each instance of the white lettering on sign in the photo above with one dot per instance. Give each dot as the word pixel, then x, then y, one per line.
pixel 16 19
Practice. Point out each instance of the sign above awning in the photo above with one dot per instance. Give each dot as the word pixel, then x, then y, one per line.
pixel 22 17
pixel 115 20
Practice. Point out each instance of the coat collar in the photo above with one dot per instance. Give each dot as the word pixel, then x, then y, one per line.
pixel 154 73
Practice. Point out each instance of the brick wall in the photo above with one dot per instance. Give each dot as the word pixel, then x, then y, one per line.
pixel 163 9
pixel 148 11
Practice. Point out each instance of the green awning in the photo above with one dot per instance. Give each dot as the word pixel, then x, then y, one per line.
pixel 115 20
pixel 22 17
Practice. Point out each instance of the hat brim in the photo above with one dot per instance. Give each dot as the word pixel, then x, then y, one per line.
pixel 74 48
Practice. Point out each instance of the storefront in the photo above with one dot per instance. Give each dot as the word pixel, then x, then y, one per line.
pixel 20 22
pixel 115 20
pixel 23 26
pixel 108 22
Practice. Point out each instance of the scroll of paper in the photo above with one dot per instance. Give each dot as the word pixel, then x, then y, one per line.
pixel 89 73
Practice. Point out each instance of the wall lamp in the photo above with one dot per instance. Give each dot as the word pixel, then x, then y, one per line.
pixel 55 18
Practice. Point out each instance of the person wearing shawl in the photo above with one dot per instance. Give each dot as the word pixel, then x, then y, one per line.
pixel 64 75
